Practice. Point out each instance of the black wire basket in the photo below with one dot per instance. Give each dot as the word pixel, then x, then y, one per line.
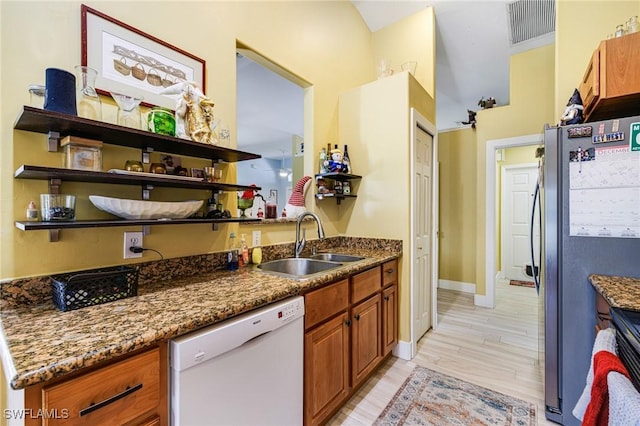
pixel 81 289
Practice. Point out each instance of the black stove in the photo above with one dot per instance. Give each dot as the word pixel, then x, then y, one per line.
pixel 627 325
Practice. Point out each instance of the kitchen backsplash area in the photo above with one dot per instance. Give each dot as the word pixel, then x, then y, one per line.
pixel 37 290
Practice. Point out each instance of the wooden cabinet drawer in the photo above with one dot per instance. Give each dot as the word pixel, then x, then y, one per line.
pixel 113 395
pixel 389 273
pixel 325 302
pixel 365 284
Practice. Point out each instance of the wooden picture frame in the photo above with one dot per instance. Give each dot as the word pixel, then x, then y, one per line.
pixel 135 63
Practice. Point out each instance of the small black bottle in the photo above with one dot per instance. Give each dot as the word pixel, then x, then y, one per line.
pixel 346 161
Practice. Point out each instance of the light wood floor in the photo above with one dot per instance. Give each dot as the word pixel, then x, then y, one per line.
pixel 495 348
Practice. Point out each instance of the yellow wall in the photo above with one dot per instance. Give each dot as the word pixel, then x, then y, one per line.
pixel 331 49
pixel 410 39
pixel 531 89
pixel 457 164
pixel 377 117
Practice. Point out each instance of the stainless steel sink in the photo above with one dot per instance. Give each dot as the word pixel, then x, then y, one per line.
pixel 336 257
pixel 298 267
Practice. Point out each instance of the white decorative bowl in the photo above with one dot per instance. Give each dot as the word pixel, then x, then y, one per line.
pixel 139 209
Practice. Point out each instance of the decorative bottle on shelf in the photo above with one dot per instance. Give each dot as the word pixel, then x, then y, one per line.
pixel 232 254
pixel 322 167
pixel 32 211
pixel 346 160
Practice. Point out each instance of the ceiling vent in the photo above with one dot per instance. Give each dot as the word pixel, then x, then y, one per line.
pixel 530 19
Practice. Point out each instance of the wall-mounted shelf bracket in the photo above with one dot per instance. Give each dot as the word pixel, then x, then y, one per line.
pixel 54 235
pixel 54 186
pixel 145 154
pixel 146 191
pixel 54 140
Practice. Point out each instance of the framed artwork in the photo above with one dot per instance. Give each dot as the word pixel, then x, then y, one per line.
pixel 134 63
pixel 197 173
pixel 273 194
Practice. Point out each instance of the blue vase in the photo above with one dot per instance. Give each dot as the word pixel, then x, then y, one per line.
pixel 60 91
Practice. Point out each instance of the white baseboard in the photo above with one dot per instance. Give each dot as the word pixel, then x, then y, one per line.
pixel 403 350
pixel 483 300
pixel 457 285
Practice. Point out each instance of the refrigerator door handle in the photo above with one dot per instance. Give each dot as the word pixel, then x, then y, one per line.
pixel 536 199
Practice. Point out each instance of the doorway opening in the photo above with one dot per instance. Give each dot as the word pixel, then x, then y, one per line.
pixel 491 209
pixel 272 116
pixel 493 222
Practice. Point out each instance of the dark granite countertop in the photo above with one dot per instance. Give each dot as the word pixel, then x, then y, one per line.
pixel 39 343
pixel 619 292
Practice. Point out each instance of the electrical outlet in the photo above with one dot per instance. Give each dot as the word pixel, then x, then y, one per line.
pixel 132 239
pixel 256 239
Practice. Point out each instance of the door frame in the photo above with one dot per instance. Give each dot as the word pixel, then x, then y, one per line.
pixel 491 220
pixel 502 206
pixel 416 119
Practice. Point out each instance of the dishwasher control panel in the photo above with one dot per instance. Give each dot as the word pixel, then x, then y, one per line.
pixel 291 310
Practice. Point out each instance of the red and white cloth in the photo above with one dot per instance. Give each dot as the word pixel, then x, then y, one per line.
pixel 593 407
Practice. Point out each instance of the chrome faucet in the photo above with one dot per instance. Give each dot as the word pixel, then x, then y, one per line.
pixel 300 243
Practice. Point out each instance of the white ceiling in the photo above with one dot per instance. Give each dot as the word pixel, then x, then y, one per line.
pixel 472 61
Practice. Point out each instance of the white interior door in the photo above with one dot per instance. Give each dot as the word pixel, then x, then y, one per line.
pixel 518 185
pixel 422 230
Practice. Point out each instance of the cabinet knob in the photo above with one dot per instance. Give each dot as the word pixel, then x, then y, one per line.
pixel 390 271
pixel 386 298
pixel 348 322
pixel 357 317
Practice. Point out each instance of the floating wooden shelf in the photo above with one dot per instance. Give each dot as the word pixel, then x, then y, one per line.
pixel 43 121
pixel 44 173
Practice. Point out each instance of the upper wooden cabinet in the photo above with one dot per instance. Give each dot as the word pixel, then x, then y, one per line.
pixel 610 87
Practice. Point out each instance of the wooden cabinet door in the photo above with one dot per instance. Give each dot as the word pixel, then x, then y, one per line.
pixel 365 338
pixel 590 86
pixel 389 319
pixel 619 75
pixel 326 369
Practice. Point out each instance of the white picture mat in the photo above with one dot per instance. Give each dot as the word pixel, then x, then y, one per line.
pixel 102 35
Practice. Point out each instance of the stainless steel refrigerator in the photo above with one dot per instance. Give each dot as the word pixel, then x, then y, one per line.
pixel 590 202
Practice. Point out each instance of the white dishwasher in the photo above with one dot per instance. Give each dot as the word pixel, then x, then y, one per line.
pixel 244 371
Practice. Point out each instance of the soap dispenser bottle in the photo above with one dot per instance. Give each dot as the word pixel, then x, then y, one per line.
pixel 232 254
pixel 243 260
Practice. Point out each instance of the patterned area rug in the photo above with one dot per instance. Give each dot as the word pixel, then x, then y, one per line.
pixel 431 398
pixel 522 283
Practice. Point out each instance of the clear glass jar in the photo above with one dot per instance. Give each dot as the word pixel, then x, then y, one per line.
pixel 619 31
pixel 128 110
pixel 87 99
pixel 632 25
pixel 82 154
pixel 36 95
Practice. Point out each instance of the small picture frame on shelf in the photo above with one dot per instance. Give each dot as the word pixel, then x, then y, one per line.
pixel 273 195
pixel 171 162
pixel 197 173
